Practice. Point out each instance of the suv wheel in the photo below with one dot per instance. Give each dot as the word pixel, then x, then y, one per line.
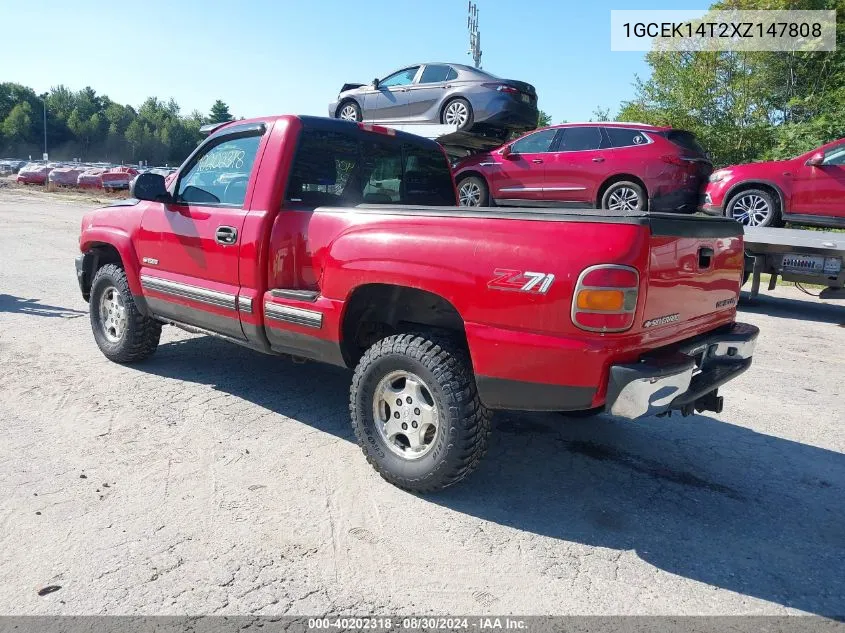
pixel 472 192
pixel 624 196
pixel 416 412
pixel 753 207
pixel 350 111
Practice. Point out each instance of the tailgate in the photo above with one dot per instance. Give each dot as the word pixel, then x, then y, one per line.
pixel 694 273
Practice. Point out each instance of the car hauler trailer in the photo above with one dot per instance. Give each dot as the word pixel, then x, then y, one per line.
pixel 803 256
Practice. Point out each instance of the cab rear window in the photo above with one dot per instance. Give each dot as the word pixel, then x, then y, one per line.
pixel 333 168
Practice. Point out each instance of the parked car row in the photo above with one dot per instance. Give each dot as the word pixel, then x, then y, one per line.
pixel 11 166
pixel 84 175
pixel 633 166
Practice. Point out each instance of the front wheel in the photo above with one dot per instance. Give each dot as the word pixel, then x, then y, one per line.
pixel 350 111
pixel 416 412
pixel 473 192
pixel 753 207
pixel 122 333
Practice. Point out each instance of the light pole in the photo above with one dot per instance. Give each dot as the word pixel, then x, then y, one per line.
pixel 44 102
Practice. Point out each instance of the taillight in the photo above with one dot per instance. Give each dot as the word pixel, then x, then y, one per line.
pixel 378 129
pixel 605 298
pixel 503 88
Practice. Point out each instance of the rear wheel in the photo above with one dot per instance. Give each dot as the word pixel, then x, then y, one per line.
pixel 473 192
pixel 416 412
pixel 457 112
pixel 754 207
pixel 624 196
pixel 350 111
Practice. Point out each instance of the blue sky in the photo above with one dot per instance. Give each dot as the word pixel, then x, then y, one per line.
pixel 264 57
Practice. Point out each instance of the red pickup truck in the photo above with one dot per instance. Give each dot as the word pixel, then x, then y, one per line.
pixel 343 243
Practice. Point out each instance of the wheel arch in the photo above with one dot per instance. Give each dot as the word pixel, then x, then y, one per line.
pixel 373 311
pixel 110 246
pixel 343 102
pixel 611 180
pixel 756 184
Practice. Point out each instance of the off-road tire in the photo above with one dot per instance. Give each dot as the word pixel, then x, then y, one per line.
pixel 464 428
pixel 141 334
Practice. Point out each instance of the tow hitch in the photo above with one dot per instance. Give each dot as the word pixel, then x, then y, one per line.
pixel 710 401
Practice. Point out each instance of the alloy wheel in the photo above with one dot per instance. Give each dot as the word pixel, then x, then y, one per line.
pixel 751 210
pixel 456 113
pixel 348 113
pixel 469 194
pixel 623 199
pixel 112 314
pixel 406 417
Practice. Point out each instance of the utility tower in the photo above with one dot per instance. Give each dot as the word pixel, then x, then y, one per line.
pixel 474 34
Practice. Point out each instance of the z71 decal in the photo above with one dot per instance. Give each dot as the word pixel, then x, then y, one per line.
pixel 536 283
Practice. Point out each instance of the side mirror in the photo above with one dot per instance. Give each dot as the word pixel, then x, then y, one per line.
pixel 376 83
pixel 816 160
pixel 508 153
pixel 149 186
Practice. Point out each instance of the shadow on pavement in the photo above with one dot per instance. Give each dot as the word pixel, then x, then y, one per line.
pixel 706 500
pixel 11 303
pixel 809 310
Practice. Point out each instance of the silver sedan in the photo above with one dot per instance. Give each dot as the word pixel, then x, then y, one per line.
pixel 451 94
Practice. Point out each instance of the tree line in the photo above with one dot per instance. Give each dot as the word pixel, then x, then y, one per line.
pixel 746 106
pixel 91 127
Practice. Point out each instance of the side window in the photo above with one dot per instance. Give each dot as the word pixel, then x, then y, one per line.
pixel 621 137
pixel 835 156
pixel 221 174
pixel 580 138
pixel 538 142
pixel 436 73
pixel 452 74
pixel 427 178
pixel 401 78
pixel 325 164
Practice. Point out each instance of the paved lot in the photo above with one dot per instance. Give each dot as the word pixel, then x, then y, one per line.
pixel 212 479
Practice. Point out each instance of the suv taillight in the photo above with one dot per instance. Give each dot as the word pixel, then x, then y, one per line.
pixel 605 298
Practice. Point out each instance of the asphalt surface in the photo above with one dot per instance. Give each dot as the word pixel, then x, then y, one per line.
pixel 212 479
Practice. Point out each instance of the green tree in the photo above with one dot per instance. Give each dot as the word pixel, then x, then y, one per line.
pixel 219 113
pixel 17 126
pixel 748 105
pixel 544 119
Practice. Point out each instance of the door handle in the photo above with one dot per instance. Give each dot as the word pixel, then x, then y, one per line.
pixel 226 235
pixel 537 160
pixel 598 159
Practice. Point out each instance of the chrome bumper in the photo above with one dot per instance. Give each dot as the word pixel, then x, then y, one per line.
pixel 685 376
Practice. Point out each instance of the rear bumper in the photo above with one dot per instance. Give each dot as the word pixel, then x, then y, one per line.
pixel 683 377
pixel 507 112
pixel 678 201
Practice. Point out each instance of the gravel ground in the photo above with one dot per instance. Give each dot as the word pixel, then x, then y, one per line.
pixel 212 479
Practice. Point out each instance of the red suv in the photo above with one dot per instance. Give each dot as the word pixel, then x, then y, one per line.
pixel 616 166
pixel 808 189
